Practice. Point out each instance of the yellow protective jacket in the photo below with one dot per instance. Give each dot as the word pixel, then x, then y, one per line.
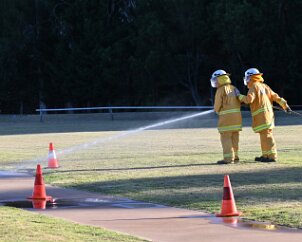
pixel 227 106
pixel 260 97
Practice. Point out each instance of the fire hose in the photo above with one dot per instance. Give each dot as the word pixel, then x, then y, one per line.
pixel 289 112
pixel 281 109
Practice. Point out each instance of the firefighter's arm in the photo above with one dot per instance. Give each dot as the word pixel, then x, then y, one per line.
pixel 218 101
pixel 249 98
pixel 274 97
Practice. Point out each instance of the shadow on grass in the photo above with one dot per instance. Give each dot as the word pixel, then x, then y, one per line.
pixel 135 168
pixel 189 189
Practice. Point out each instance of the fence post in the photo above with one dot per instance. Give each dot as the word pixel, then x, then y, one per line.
pixel 111 112
pixel 41 116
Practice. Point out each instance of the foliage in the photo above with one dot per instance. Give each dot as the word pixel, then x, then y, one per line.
pixel 149 52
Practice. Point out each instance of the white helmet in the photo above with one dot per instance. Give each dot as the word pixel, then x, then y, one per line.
pixel 215 75
pixel 248 73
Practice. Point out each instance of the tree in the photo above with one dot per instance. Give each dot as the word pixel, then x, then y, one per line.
pixel 121 9
pixel 147 52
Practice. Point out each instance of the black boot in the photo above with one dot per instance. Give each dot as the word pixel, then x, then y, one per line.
pixel 267 160
pixel 259 158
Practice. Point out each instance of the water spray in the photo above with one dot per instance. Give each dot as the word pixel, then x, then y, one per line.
pixel 130 132
pixel 81 147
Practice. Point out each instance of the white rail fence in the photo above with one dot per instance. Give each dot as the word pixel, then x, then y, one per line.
pixel 42 111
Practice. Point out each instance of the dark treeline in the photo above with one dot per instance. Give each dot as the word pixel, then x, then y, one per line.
pixel 79 53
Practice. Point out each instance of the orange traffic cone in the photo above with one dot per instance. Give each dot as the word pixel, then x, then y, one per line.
pixel 228 207
pixel 39 204
pixel 52 158
pixel 39 187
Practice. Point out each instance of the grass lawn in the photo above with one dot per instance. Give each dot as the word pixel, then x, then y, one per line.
pixel 21 225
pixel 174 166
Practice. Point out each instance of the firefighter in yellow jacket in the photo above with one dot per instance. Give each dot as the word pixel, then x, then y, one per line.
pixel 227 106
pixel 260 97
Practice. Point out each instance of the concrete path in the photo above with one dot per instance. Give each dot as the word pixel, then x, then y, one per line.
pixel 150 221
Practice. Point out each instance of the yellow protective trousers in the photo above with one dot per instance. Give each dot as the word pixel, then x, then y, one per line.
pixel 268 144
pixel 230 145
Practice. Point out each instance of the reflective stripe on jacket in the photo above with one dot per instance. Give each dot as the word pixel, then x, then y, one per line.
pixel 260 97
pixel 227 106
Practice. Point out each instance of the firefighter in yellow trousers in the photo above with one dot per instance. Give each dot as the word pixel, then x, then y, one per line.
pixel 260 97
pixel 227 106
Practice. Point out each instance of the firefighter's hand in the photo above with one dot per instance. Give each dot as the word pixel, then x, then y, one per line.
pixel 236 92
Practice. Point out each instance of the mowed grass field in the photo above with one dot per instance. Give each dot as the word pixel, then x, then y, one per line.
pixel 21 225
pixel 174 165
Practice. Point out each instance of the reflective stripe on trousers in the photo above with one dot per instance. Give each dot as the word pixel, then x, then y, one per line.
pixel 268 144
pixel 230 145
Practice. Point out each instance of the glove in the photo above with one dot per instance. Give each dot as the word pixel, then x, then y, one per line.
pixel 236 92
pixel 288 109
